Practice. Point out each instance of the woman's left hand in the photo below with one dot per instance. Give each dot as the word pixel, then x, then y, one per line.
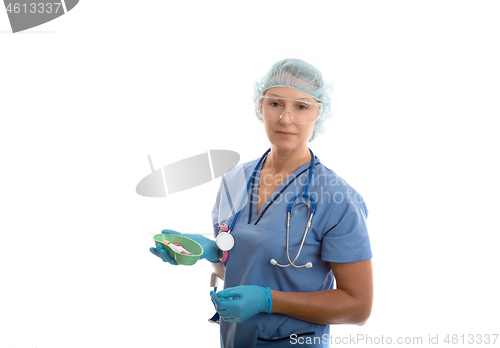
pixel 242 302
pixel 210 248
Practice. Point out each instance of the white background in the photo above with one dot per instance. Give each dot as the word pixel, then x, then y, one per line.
pixel 85 98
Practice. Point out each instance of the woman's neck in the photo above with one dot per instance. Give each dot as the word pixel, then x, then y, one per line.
pixel 286 162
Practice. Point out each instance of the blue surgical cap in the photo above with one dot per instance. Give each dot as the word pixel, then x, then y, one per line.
pixel 302 76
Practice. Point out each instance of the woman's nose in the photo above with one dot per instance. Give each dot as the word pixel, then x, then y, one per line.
pixel 286 119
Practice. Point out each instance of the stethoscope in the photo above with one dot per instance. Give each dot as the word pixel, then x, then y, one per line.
pixel 225 240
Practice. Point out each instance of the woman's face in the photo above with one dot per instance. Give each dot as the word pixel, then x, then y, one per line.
pixel 285 134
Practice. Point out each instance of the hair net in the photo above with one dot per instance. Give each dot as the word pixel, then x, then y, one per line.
pixel 302 76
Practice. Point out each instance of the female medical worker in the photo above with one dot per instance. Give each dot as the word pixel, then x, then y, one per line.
pixel 278 275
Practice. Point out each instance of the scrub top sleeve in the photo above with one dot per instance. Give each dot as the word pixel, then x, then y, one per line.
pixel 346 237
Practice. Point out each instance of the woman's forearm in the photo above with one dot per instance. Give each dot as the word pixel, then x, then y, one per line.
pixel 219 270
pixel 321 307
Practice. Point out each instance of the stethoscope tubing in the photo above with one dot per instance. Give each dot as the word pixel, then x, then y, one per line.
pixel 290 207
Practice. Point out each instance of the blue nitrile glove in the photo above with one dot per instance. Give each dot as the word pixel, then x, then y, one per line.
pixel 210 249
pixel 162 254
pixel 237 304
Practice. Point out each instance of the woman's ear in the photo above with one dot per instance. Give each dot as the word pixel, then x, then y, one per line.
pixel 313 136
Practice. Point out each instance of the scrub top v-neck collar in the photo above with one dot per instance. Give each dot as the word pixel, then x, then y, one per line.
pixel 254 218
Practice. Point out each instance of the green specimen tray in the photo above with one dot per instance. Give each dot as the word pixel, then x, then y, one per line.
pixel 190 245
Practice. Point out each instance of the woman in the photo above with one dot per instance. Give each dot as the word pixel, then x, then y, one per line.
pixel 278 275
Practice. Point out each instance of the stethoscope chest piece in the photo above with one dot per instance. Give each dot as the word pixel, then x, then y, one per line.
pixel 225 241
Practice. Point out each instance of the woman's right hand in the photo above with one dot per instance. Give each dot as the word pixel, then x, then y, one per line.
pixel 162 254
pixel 210 249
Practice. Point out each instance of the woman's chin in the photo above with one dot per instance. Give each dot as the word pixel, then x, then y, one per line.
pixel 286 144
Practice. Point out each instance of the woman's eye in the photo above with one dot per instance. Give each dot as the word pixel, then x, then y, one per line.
pixel 301 107
pixel 275 104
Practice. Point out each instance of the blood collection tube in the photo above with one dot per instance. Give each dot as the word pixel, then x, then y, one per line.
pixel 176 247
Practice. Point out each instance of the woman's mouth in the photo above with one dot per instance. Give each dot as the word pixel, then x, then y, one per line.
pixel 285 134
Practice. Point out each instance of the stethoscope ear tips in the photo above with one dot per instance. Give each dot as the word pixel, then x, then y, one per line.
pixel 275 263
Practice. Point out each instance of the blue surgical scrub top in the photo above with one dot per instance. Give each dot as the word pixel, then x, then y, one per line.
pixel 338 233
